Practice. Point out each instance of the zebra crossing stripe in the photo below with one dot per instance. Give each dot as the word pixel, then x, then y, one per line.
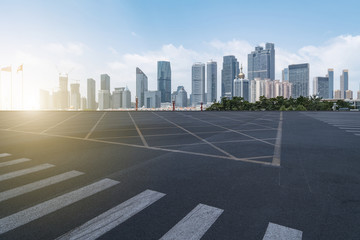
pixel 13 162
pixel 278 232
pixel 37 185
pixel 113 217
pixel 18 173
pixel 194 225
pixel 4 155
pixel 28 215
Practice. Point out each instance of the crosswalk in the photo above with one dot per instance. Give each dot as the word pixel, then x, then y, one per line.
pixel 350 125
pixel 193 226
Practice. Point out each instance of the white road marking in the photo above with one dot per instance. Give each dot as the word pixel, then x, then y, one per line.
pixel 278 232
pixel 18 173
pixel 353 131
pixel 13 162
pixel 277 150
pixel 201 139
pixel 194 225
pixel 97 123
pixel 52 127
pixel 25 216
pixel 357 134
pixel 103 223
pixel 4 155
pixel 37 185
pixel 349 128
pixel 138 130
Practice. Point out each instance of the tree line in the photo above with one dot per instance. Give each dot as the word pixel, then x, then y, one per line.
pixel 301 103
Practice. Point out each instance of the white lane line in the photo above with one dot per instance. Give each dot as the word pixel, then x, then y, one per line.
pixel 52 127
pixel 352 131
pixel 108 220
pixel 278 232
pixel 25 216
pixel 277 150
pixel 138 130
pixel 37 185
pixel 357 134
pixel 18 173
pixel 97 123
pixel 350 128
pixel 201 139
pixel 13 162
pixel 194 225
pixel 4 155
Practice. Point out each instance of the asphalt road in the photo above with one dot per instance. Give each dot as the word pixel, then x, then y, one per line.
pixel 180 175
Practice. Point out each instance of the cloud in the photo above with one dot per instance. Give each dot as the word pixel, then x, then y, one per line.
pixel 72 48
pixel 133 34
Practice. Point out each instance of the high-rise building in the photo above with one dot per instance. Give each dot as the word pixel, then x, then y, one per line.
pixel 287 90
pixel 63 94
pixel 126 100
pixel 349 94
pixel 164 80
pixel 330 75
pixel 252 91
pixel 198 83
pixel 105 82
pixel 358 95
pixel 285 75
pixel 104 99
pixel 211 74
pixel 117 98
pixel 344 82
pixel 261 62
pixel 228 74
pixel 181 98
pixel 242 86
pixel 141 86
pixel 299 75
pixel 152 99
pixel 337 94
pixel 321 87
pixel 83 103
pixel 91 90
pixel 75 98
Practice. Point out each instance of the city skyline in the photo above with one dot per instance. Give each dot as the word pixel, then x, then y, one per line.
pixel 128 44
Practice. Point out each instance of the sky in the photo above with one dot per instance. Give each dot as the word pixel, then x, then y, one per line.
pixel 86 38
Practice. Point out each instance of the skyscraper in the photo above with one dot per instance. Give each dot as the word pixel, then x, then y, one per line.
pixel 211 81
pixel 344 82
pixel 349 94
pixel 242 86
pixel 285 75
pixel 261 62
pixel 141 86
pixel 164 80
pixel 299 75
pixel 63 94
pixel 117 98
pixel 337 94
pixel 44 99
pixel 198 83
pixel 91 90
pixel 126 100
pixel 105 82
pixel 228 74
pixel 321 87
pixel 152 99
pixel 181 98
pixel 75 98
pixel 330 75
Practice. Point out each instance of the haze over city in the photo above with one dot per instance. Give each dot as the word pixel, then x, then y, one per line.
pixel 89 38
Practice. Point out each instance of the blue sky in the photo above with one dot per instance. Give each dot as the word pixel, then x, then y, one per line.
pixel 92 37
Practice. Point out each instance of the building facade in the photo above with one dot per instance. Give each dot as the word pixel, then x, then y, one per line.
pixel 198 83
pixel 337 94
pixel 105 82
pixel 141 86
pixel 349 94
pixel 344 83
pixel 126 98
pixel 91 90
pixel 242 86
pixel 104 99
pixel 299 75
pixel 321 87
pixel 211 74
pixel 117 98
pixel 75 98
pixel 181 98
pixel 63 93
pixel 330 75
pixel 152 99
pixel 164 80
pixel 261 62
pixel 228 74
pixel 285 75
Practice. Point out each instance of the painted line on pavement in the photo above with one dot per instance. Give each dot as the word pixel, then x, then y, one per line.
pixel 138 131
pixel 94 127
pixel 194 225
pixel 37 185
pixel 13 162
pixel 52 127
pixel 108 220
pixel 278 232
pixel 277 150
pixel 4 155
pixel 22 172
pixel 28 215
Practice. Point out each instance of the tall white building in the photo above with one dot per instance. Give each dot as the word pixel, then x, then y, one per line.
pixel 198 83
pixel 91 90
pixel 141 86
pixel 211 75
pixel 117 98
pixel 152 99
pixel 126 100
pixel 104 99
pixel 181 98
pixel 242 86
pixel 75 98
